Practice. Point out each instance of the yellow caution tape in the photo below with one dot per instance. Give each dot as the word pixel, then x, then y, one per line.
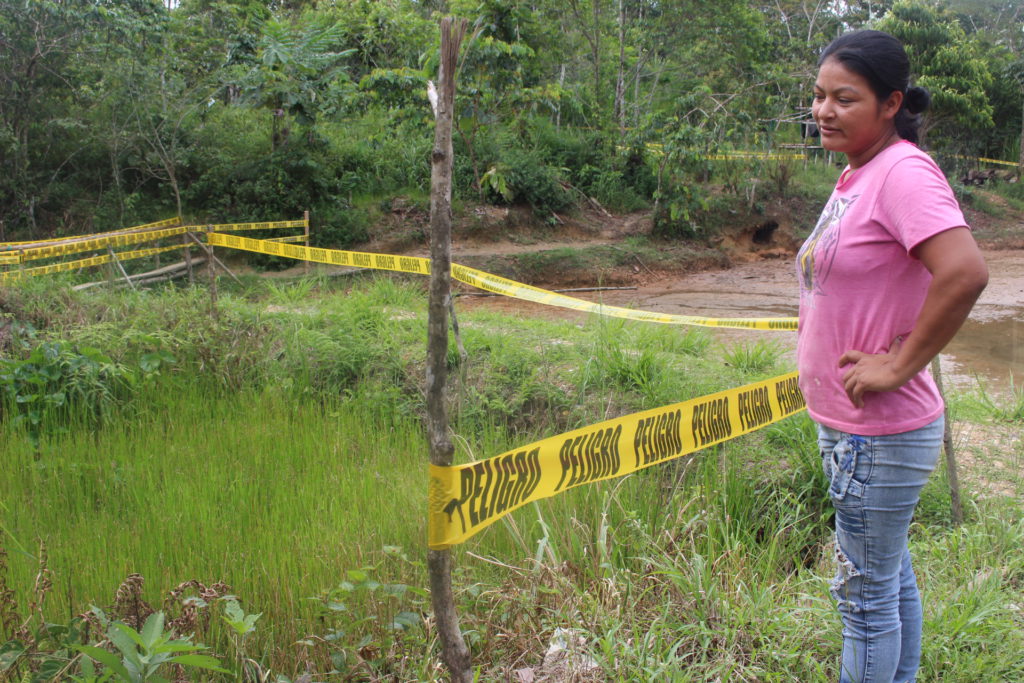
pixel 999 162
pixel 148 226
pixel 657 148
pixel 464 499
pixel 266 225
pixel 83 263
pixel 287 238
pixel 771 156
pixel 488 282
pixel 10 258
pixel 518 290
pixel 335 257
pixel 109 240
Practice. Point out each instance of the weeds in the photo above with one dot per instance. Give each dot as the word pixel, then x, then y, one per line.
pixel 759 356
pixel 1007 408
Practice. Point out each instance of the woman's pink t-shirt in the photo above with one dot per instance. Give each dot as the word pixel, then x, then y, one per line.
pixel 860 287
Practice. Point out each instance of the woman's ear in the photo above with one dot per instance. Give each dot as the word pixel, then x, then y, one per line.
pixel 891 105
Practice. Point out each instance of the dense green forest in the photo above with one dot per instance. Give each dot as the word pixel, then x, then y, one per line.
pixel 118 112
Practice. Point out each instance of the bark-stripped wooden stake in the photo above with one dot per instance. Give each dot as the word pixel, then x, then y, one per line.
pixel 454 652
pixel 956 507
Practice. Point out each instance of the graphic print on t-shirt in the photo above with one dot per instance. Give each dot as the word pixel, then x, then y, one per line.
pixel 818 253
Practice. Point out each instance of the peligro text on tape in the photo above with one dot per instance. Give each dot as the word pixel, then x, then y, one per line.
pixel 83 263
pixel 488 282
pixel 166 223
pixel 240 227
pixel 118 240
pixel 465 499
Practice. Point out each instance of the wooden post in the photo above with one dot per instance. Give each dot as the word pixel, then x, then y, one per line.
pixel 211 271
pixel 305 221
pixel 113 257
pixel 454 652
pixel 188 256
pixel 956 507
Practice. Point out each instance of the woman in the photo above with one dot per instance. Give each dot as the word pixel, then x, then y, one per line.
pixel 887 278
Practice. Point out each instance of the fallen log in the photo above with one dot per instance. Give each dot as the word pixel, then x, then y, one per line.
pixel 166 273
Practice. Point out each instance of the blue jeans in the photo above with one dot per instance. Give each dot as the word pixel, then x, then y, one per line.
pixel 874 483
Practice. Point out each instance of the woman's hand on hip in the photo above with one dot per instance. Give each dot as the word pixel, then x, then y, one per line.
pixel 872 372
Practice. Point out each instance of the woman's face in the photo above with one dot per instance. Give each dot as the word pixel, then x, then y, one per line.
pixel 850 116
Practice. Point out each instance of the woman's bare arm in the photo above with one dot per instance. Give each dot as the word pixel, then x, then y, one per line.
pixel 959 275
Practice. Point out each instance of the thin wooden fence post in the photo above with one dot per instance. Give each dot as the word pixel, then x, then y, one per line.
pixel 956 507
pixel 188 256
pixel 117 262
pixel 305 221
pixel 454 652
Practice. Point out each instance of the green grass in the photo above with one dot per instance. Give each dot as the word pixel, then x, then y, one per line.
pixel 283 454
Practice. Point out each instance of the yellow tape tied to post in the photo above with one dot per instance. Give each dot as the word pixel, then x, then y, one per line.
pixel 465 499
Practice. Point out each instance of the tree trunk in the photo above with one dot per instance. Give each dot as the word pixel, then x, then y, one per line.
pixel 454 652
pixel 596 47
pixel 620 79
pixel 1020 159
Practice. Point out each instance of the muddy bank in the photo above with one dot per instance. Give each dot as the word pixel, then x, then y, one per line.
pixel 990 346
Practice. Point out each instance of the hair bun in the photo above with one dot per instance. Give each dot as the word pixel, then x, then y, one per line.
pixel 916 100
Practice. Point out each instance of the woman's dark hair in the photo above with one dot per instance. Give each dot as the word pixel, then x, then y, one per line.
pixel 882 61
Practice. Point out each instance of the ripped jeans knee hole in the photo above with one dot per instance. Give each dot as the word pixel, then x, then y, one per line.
pixel 838 587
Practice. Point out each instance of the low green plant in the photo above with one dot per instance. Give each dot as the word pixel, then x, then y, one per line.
pixel 55 378
pixel 140 655
pixel 1006 408
pixel 371 623
pixel 242 626
pixel 759 356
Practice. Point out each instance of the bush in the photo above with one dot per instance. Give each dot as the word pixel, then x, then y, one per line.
pixel 531 181
pixel 339 226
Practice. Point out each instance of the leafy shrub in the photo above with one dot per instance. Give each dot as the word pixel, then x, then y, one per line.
pixel 281 185
pixel 611 189
pixel 531 181
pixel 56 379
pixel 340 226
pixel 568 148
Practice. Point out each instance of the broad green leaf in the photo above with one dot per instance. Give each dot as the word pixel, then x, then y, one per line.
pixel 200 661
pixel 127 640
pixel 10 653
pixel 107 659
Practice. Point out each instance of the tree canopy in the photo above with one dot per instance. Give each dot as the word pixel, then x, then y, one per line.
pixel 121 111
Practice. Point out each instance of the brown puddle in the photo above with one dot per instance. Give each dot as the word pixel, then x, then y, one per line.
pixel 992 350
